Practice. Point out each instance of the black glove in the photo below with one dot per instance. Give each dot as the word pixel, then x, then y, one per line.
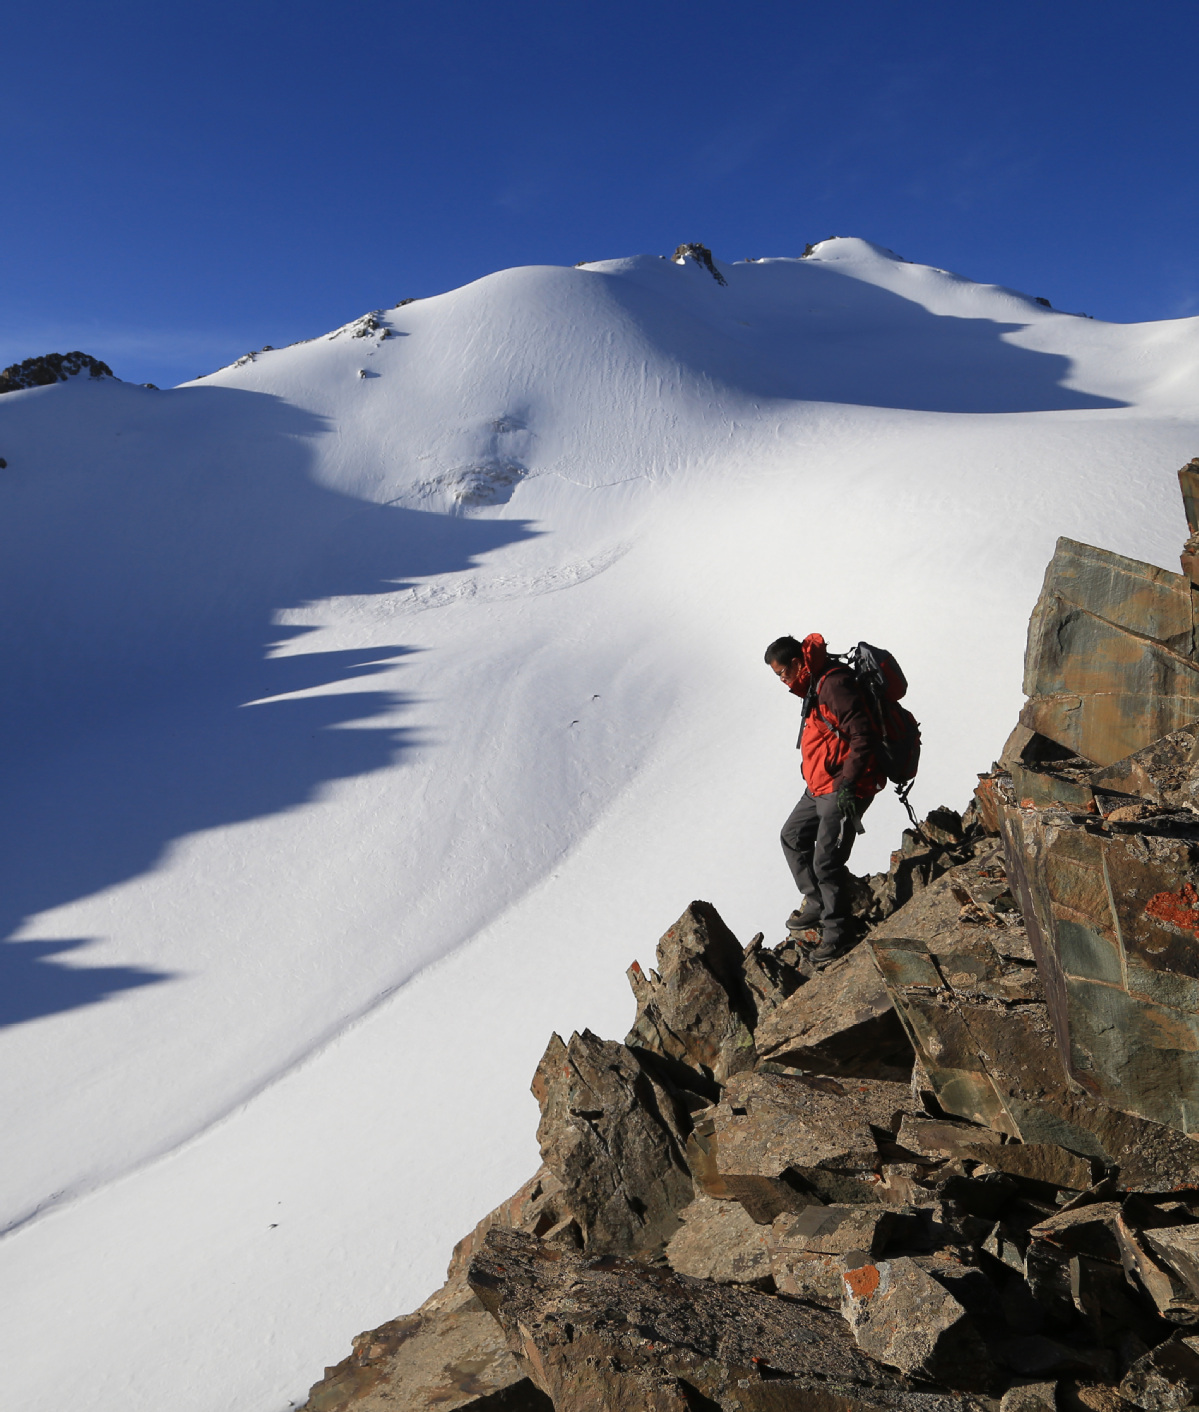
pixel 847 807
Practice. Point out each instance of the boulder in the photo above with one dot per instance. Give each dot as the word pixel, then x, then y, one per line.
pixel 939 1138
pixel 1043 1162
pixel 1114 920
pixel 1177 1248
pixel 606 1333
pixel 1030 1397
pixel 902 1316
pixel 613 1134
pixel 839 1230
pixel 841 1022
pixel 442 1360
pixel 1087 1230
pixel 696 1007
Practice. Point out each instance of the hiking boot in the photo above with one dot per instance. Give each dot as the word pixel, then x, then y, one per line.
pixel 830 950
pixel 806 916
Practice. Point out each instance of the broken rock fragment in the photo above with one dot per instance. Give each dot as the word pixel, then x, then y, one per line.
pixel 902 1316
pixel 613 1134
pixel 1165 1379
pixel 720 1241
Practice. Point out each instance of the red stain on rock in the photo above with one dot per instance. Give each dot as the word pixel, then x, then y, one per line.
pixel 862 1282
pixel 1176 909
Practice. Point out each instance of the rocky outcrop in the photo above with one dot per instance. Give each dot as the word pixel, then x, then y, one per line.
pixel 696 1007
pixel 51 368
pixel 955 1169
pixel 612 1132
pixel 702 256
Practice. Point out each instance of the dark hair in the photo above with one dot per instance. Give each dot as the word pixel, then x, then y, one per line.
pixel 783 649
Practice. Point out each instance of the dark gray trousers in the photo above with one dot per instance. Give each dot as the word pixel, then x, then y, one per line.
pixel 817 845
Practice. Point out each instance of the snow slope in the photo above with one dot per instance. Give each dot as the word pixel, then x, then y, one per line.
pixel 370 704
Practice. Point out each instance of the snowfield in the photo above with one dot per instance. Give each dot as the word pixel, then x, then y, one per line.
pixel 372 703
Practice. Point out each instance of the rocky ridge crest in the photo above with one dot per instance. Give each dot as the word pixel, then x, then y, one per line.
pixel 956 1169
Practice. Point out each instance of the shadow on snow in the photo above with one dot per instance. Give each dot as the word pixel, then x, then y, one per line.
pixel 149 541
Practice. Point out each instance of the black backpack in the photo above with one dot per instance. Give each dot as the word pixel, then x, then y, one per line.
pixel 882 683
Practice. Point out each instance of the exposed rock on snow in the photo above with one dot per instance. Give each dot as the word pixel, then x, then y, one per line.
pixel 51 368
pixel 702 256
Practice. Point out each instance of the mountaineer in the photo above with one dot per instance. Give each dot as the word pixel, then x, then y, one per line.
pixel 843 773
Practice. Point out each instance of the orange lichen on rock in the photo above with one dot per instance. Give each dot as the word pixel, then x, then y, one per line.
pixel 1177 909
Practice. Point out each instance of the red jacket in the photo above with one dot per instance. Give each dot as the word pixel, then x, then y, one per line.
pixel 837 740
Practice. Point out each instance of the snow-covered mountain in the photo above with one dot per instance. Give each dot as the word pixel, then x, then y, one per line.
pixel 370 704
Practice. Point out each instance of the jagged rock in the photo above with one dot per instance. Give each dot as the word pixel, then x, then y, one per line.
pixel 50 368
pixel 696 1007
pixel 1166 1378
pixel 902 1316
pixel 839 1230
pixel 1086 1397
pixel 720 1241
pixel 453 1358
pixel 841 1022
pixel 1177 1247
pixel 1114 922
pixel 1036 1162
pixel 1169 1291
pixel 605 1333
pixel 1087 1230
pixel 772 974
pixel 448 1354
pixel 613 1134
pixel 1109 666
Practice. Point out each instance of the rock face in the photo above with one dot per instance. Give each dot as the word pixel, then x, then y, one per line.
pixel 1098 814
pixel 956 1169
pixel 51 368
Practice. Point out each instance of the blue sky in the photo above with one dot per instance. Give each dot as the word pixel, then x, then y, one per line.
pixel 183 183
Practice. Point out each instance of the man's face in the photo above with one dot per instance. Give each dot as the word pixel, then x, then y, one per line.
pixel 787 672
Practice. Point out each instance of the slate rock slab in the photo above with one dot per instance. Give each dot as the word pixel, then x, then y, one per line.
pixel 767 1123
pixel 599 1333
pixel 1167 1378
